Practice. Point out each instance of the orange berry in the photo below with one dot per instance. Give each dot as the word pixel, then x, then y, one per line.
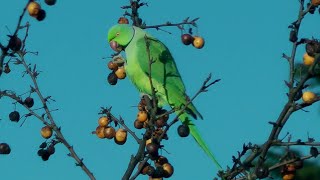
pixel 100 132
pixel 308 97
pixel 46 132
pixel 121 136
pixel 168 170
pixel 103 121
pixel 33 8
pixel 308 60
pixel 198 42
pixel 123 20
pixel 109 132
pixel 142 116
pixel 120 73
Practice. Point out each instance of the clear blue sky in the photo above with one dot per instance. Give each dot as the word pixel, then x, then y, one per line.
pixel 244 43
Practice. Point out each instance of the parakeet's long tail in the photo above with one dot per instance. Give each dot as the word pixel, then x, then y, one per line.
pixel 196 135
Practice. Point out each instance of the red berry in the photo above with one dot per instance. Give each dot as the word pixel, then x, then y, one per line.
pixel 186 39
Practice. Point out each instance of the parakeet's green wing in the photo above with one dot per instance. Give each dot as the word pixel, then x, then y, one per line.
pixel 165 78
pixel 164 71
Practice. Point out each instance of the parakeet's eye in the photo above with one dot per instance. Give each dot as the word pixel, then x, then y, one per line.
pixel 117 34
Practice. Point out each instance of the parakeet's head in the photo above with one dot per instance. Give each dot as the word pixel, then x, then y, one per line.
pixel 119 36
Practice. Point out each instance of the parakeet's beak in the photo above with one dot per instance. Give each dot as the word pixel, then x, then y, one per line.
pixel 115 46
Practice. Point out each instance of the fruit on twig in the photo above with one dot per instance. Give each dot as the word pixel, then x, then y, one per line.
pixel 186 39
pixel 138 124
pixel 109 132
pixel 152 149
pixel 183 130
pixel 121 136
pixel 50 2
pixel 120 73
pixel 46 132
pixel 308 60
pixel 142 116
pixel 103 121
pixel 168 170
pixel 43 145
pixel 160 123
pixel 161 160
pixel 15 43
pixel 33 8
pixel 14 116
pixel 51 149
pixel 123 20
pixel 41 15
pixel 5 148
pixel 198 42
pixel 312 47
pixel 112 78
pixel 29 102
pixel 100 132
pixel 309 97
pixel 45 155
pixel 118 60
pixel 112 65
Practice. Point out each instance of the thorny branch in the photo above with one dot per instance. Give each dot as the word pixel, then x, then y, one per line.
pixel 137 21
pixel 290 107
pixel 45 118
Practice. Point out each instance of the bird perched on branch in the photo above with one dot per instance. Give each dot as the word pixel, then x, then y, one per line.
pixel 141 48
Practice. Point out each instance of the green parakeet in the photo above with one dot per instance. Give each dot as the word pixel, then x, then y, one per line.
pixel 166 78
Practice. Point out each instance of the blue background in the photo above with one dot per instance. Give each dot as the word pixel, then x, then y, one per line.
pixel 244 43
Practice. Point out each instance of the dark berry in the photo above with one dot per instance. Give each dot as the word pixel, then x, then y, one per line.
pixel 138 124
pixel 45 155
pixel 40 152
pixel 152 149
pixel 186 39
pixel 51 150
pixel 29 102
pixel 50 2
pixel 183 130
pixel 41 15
pixel 112 78
pixel 15 43
pixel 4 148
pixel 43 145
pixel 14 116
